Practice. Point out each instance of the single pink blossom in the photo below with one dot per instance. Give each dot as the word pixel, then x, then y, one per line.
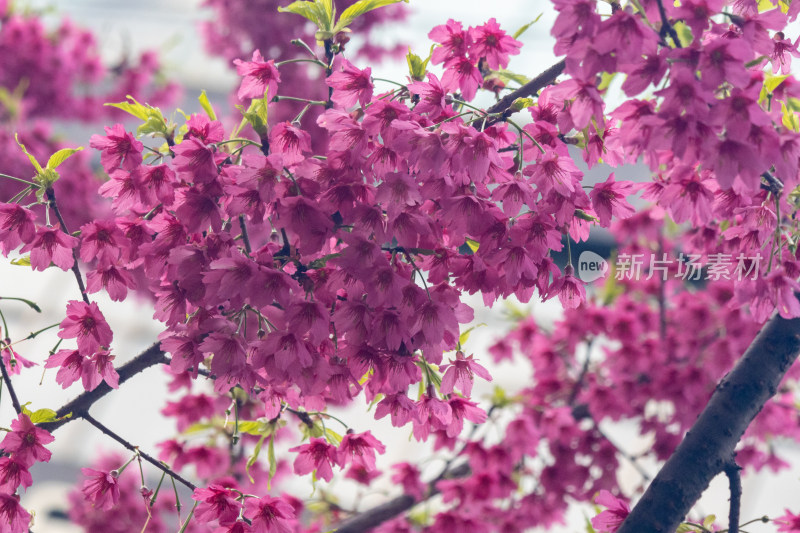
pixel 453 39
pixel 569 289
pixel 13 473
pixel 269 515
pixel 360 449
pixel 13 515
pixel 101 488
pixel 461 74
pixel 16 226
pixel 261 77
pixel 609 520
pixel 51 245
pixel 350 85
pixel 492 43
pixel 317 456
pixel 609 199
pixel 216 503
pixel 461 373
pixel 69 364
pixel 25 442
pixel 789 522
pixel 119 149
pixel 86 323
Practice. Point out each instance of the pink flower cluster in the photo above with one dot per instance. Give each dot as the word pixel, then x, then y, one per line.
pixel 22 446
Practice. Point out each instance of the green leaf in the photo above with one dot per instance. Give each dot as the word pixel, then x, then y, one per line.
pixel 765 5
pixel 332 436
pixel 257 115
pixel 309 10
pixel 789 118
pixel 605 80
pixel 358 9
pixel 521 103
pixel 771 82
pixel 417 67
pixel 273 463
pixel 583 215
pixel 328 11
pixel 62 155
pixel 134 108
pixel 25 260
pixel 43 415
pixel 197 427
pixel 251 427
pixel 507 76
pixel 524 28
pixel 684 32
pixel 152 126
pixel 473 245
pixel 32 159
pixel 464 337
pixel 254 456
pixel 709 521
pixel 316 430
pixel 206 105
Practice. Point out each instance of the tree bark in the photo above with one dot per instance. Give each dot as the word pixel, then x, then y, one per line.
pixel 709 444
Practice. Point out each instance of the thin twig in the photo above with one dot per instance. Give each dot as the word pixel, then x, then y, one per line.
pixel 245 237
pixel 529 89
pixel 732 470
pixel 51 201
pixel 666 27
pixel 158 464
pixel 7 380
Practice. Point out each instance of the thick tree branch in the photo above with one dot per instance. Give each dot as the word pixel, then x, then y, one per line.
pixel 386 511
pixel 529 89
pixel 79 407
pixel 708 446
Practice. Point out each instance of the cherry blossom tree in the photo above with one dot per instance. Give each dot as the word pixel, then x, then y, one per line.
pixel 316 260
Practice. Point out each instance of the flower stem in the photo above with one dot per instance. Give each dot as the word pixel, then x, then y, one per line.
pixel 51 201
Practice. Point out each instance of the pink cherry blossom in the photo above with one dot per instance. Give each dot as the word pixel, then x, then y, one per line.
pixel 317 456
pixel 119 149
pixel 100 488
pixel 86 323
pixel 259 78
pixel 51 245
pixel 609 520
pixel 12 514
pixel 25 442
pixel 350 85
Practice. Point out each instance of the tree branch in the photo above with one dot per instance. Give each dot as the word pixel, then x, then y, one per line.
pixel 735 483
pixel 79 407
pixel 10 387
pixel 709 445
pixel 386 511
pixel 529 89
pixel 76 271
pixel 158 464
